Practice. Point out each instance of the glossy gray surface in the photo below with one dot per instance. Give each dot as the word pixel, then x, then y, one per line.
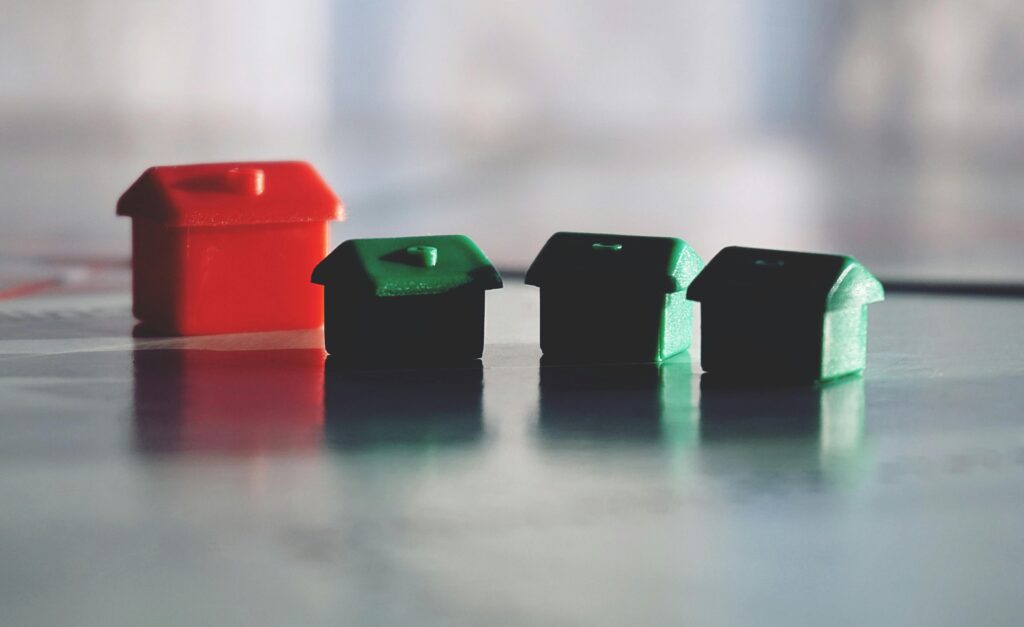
pixel 238 480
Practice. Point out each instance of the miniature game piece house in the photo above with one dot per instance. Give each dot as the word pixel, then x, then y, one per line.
pixel 406 299
pixel 770 314
pixel 228 247
pixel 614 298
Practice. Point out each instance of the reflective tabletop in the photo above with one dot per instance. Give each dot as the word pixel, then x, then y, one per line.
pixel 250 479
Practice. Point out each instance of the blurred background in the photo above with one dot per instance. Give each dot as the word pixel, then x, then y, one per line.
pixel 887 129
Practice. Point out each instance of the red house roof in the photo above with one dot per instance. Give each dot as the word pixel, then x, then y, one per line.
pixel 223 194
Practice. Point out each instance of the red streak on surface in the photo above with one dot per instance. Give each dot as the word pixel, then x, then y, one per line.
pixel 26 289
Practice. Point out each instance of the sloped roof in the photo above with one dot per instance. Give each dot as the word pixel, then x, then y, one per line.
pixel 836 281
pixel 408 266
pixel 222 194
pixel 660 264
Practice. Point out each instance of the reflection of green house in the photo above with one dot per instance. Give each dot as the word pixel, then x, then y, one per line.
pixel 784 315
pixel 409 409
pixel 406 298
pixel 781 433
pixel 622 402
pixel 608 298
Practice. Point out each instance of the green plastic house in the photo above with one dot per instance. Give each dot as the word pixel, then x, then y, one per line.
pixel 406 299
pixel 614 298
pixel 771 314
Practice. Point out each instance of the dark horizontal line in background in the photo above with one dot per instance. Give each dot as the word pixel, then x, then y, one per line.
pixel 904 286
pixel 954 288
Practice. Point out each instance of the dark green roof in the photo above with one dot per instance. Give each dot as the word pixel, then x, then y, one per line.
pixel 408 266
pixel 661 264
pixel 836 281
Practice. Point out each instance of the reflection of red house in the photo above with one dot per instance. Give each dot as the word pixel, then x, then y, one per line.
pixel 235 401
pixel 228 247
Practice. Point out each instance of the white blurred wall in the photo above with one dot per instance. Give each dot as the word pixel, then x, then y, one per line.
pixel 233 63
pixel 599 66
pixel 887 128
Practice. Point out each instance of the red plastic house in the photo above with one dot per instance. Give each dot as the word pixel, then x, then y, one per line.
pixel 228 247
